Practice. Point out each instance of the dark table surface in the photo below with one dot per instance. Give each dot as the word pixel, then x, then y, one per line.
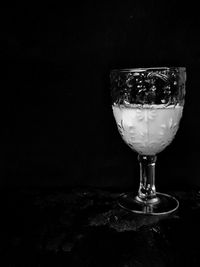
pixel 85 227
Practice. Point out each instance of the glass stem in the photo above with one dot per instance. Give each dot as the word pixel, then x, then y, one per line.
pixel 147 190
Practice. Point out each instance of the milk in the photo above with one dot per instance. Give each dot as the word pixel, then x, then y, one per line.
pixel 147 129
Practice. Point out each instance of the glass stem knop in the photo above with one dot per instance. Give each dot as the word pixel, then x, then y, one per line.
pixel 147 190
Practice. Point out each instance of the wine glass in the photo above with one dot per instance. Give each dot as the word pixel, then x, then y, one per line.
pixel 147 106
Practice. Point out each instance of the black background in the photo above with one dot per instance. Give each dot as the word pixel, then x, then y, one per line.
pixel 57 127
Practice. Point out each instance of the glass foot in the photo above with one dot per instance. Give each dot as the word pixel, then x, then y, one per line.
pixel 164 204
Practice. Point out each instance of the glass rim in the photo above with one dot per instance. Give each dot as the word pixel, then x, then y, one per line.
pixel 143 69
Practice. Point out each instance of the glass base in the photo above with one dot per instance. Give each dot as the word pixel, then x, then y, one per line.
pixel 164 204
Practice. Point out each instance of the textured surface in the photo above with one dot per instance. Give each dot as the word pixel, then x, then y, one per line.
pixel 86 228
pixel 148 86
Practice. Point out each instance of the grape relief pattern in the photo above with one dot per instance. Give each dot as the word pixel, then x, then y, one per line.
pixel 150 86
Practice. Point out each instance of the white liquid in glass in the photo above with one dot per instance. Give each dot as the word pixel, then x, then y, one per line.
pixel 147 130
